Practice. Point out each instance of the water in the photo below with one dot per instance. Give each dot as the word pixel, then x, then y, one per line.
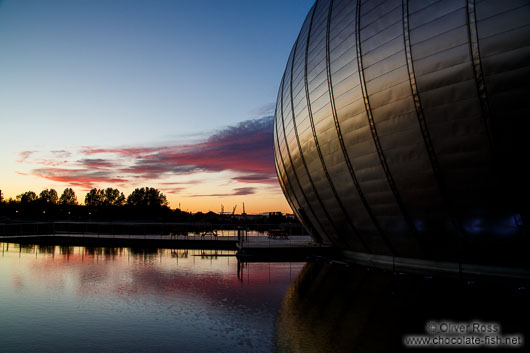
pixel 55 299
pixel 337 308
pixel 120 300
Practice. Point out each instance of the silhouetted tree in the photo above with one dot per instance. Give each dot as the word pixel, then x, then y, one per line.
pixel 95 197
pixel 48 196
pixel 27 197
pixel 1 197
pixel 113 197
pixel 147 197
pixel 107 197
pixel 68 197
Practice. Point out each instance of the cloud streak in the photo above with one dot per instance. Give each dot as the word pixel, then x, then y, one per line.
pixel 237 192
pixel 25 155
pixel 78 177
pixel 262 178
pixel 97 163
pixel 245 149
pixel 61 154
pixel 173 190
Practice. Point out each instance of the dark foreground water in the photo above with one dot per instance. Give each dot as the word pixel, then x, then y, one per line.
pixel 77 299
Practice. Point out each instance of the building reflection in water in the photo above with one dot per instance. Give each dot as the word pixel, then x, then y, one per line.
pixel 339 308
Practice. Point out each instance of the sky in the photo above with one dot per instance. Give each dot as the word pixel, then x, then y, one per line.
pixel 176 95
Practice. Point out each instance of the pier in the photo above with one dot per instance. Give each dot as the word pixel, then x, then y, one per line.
pixel 250 245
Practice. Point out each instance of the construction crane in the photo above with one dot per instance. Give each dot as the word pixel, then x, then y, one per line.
pixel 244 209
pixel 234 209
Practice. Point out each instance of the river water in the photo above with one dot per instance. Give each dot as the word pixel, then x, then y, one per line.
pixel 79 299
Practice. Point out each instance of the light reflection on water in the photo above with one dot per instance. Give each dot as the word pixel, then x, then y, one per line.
pixel 121 300
pixel 55 299
pixel 338 308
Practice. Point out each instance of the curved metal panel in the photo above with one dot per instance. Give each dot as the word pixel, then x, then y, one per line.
pixel 453 238
pixel 317 181
pixel 375 236
pixel 378 57
pixel 477 65
pixel 400 125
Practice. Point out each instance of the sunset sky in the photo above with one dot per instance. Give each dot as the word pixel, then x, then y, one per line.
pixel 176 95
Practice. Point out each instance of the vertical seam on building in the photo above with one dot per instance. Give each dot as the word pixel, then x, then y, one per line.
pixel 415 95
pixel 293 193
pixel 340 138
pixel 302 157
pixel 310 114
pixel 371 122
pixel 477 67
pixel 423 123
pixel 281 156
pixel 291 161
pixel 284 188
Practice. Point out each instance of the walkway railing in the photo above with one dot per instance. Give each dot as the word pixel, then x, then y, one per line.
pixel 130 229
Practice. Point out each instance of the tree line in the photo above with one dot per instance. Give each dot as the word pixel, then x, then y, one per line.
pixel 143 204
pixel 99 204
pixel 147 196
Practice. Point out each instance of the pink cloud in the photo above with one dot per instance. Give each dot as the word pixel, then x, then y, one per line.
pixel 181 182
pixel 261 178
pixel 24 155
pixel 61 154
pixel 97 163
pixel 53 158
pixel 173 190
pixel 80 177
pixel 246 149
pixel 128 152
pixel 237 192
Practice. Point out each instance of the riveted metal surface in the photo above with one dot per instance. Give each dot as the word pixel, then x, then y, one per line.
pixel 399 127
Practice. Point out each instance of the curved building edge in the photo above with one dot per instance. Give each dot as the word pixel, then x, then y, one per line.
pixel 399 131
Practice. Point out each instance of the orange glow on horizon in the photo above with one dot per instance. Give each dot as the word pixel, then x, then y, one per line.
pixel 261 201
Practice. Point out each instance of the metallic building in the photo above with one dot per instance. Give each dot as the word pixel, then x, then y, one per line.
pixel 399 128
